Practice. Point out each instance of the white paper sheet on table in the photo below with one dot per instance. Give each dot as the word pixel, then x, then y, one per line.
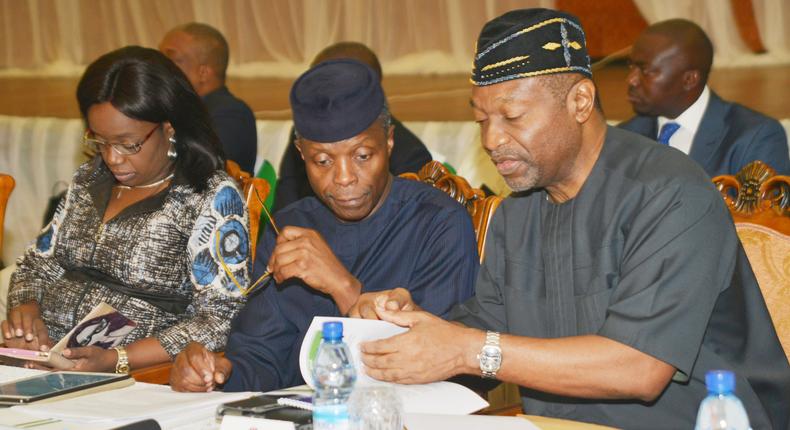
pixel 13 373
pixel 438 397
pixel 137 402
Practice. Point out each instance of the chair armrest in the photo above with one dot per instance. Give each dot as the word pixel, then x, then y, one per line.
pixel 156 374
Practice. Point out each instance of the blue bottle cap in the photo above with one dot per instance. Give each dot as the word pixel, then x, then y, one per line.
pixel 720 381
pixel 332 331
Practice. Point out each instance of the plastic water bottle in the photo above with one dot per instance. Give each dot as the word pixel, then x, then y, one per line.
pixel 333 376
pixel 721 410
pixel 375 407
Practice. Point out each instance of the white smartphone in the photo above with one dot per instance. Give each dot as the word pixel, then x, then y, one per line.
pixel 49 358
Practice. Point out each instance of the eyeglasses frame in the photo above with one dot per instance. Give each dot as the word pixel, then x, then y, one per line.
pixel 100 144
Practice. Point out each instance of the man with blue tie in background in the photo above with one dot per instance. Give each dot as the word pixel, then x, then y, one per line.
pixel 667 87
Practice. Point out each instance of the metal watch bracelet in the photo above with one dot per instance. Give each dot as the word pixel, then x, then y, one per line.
pixel 122 366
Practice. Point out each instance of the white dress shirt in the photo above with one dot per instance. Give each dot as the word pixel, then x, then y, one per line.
pixel 689 122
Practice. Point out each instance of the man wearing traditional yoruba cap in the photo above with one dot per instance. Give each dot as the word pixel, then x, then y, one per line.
pixel 365 231
pixel 613 279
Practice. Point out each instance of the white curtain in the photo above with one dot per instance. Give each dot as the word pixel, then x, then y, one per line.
pixel 280 37
pixel 773 20
pixel 716 18
pixel 267 38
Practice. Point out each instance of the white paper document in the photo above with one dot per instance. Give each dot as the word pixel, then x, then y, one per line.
pixel 136 402
pixel 438 397
pixel 13 373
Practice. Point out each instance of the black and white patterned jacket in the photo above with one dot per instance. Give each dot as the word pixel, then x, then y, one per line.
pixel 155 262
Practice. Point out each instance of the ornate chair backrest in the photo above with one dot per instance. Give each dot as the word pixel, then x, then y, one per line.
pixel 480 207
pixel 6 186
pixel 249 187
pixel 761 211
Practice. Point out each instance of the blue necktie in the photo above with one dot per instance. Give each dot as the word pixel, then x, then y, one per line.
pixel 667 130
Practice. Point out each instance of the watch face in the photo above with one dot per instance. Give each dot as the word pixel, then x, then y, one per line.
pixel 490 358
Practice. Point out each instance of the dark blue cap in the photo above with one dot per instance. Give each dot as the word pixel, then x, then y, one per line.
pixel 336 100
pixel 332 331
pixel 720 381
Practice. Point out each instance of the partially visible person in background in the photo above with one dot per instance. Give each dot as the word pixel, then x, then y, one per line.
pixel 146 225
pixel 408 155
pixel 201 52
pixel 667 87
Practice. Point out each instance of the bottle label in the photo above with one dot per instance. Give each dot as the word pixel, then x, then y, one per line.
pixel 330 416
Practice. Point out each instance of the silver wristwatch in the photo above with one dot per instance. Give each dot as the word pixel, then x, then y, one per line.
pixel 490 356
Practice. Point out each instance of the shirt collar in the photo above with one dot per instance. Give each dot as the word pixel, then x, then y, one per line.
pixel 691 117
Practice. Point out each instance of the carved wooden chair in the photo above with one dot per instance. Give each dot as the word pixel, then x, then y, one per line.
pixel 480 207
pixel 6 186
pixel 250 185
pixel 160 373
pixel 761 211
pixel 504 399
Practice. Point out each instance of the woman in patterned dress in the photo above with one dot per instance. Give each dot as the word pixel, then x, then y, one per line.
pixel 152 226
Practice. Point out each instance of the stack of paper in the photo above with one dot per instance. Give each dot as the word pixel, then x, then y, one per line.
pixel 135 403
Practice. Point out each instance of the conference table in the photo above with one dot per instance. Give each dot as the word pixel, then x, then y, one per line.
pixel 194 411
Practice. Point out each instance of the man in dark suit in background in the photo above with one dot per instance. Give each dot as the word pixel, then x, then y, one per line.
pixel 201 52
pixel 408 155
pixel 667 87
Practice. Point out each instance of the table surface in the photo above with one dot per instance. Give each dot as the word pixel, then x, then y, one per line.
pixel 546 423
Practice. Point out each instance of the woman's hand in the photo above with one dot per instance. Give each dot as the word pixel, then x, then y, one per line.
pixel 92 359
pixel 25 329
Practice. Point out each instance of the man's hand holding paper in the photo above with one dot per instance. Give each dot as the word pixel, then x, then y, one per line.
pixel 395 299
pixel 428 352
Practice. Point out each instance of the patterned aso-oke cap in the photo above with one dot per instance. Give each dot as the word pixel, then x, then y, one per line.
pixel 530 42
pixel 336 100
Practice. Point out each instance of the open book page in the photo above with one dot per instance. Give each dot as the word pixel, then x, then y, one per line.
pixel 438 397
pixel 104 327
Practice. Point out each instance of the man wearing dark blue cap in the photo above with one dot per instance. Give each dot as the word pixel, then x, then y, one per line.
pixel 364 231
pixel 613 279
pixel 409 154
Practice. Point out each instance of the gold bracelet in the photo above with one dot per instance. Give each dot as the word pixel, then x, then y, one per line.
pixel 122 366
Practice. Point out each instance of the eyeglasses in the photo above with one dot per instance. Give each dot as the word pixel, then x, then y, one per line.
pixel 123 147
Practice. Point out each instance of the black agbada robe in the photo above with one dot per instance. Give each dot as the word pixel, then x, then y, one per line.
pixel 647 255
